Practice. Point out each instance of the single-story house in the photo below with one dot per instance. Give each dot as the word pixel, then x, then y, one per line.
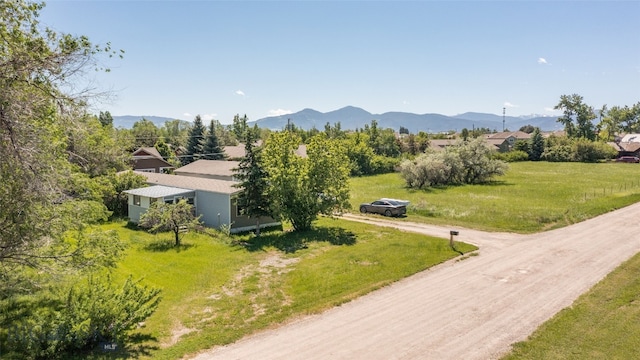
pixel 504 141
pixel 211 169
pixel 213 199
pixel 148 159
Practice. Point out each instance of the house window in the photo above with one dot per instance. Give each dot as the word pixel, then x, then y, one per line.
pixel 146 170
pixel 136 200
pixel 239 209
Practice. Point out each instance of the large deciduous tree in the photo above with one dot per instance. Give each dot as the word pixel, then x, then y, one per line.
pixel 577 117
pixel 300 189
pixel 48 201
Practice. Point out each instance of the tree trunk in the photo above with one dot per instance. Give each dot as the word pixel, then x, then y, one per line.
pixel 258 227
pixel 176 232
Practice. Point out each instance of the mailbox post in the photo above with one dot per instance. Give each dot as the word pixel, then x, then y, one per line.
pixel 452 233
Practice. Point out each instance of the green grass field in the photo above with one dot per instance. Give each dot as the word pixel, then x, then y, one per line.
pixel 217 290
pixel 531 197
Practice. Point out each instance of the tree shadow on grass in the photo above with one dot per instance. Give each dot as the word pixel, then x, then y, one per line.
pixel 292 241
pixel 165 245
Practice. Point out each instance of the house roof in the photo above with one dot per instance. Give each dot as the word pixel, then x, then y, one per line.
pixel 235 152
pixel 508 134
pixel 158 191
pixel 209 167
pixel 631 138
pixel 147 152
pixel 191 182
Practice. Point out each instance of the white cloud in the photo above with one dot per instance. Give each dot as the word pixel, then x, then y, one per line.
pixel 278 112
pixel 509 105
pixel 187 115
pixel 542 61
pixel 551 110
pixel 405 102
pixel 240 92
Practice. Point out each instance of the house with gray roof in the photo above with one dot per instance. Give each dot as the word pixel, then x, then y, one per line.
pixel 214 200
pixel 210 169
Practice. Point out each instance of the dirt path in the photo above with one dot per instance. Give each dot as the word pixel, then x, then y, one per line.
pixel 471 309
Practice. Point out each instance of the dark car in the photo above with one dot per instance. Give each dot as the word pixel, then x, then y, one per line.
pixel 384 207
pixel 628 159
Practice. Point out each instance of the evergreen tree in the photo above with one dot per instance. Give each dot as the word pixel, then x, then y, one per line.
pixel 537 145
pixel 212 149
pixel 195 142
pixel 253 200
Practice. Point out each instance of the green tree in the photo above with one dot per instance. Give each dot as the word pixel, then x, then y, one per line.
pixel 195 141
pixel 212 149
pixel 302 188
pixel 175 132
pixel 577 117
pixel 105 119
pixel 467 162
pixel 239 127
pixel 252 179
pixel 175 218
pixel 145 133
pixel 536 148
pixel 48 203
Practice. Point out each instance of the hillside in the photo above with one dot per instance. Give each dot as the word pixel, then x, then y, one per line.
pixel 351 117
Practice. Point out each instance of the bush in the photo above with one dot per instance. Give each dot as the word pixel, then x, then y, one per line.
pixel 76 319
pixel 557 153
pixel 591 151
pixel 465 163
pixel 511 156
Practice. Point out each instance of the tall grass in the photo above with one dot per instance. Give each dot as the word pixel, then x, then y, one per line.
pixel 531 197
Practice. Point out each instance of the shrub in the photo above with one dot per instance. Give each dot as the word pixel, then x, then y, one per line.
pixel 511 156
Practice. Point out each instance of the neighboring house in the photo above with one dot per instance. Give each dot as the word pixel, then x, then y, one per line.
pixel 440 144
pixel 627 145
pixel 213 199
pixel 148 159
pixel 210 169
pixel 504 141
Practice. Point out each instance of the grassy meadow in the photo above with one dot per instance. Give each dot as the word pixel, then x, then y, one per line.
pixel 219 289
pixel 530 197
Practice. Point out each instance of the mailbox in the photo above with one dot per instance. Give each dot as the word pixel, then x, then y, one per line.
pixel 453 232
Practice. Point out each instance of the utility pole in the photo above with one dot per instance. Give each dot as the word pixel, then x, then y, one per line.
pixel 504 109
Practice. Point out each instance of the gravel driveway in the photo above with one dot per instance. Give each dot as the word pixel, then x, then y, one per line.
pixel 470 309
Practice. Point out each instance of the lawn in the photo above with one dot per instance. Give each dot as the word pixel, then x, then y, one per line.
pixel 531 197
pixel 217 289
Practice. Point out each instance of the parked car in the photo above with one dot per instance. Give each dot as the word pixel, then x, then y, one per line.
pixel 384 207
pixel 628 159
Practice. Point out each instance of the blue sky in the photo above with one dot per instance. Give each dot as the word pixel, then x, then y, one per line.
pixel 262 58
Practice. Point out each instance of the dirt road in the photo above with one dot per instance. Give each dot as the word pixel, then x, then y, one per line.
pixel 470 309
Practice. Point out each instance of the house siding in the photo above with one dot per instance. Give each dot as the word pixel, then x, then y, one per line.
pixel 214 208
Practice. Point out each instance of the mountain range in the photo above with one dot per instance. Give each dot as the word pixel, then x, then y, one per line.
pixel 351 118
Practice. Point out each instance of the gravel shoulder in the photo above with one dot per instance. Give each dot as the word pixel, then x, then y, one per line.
pixel 470 309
